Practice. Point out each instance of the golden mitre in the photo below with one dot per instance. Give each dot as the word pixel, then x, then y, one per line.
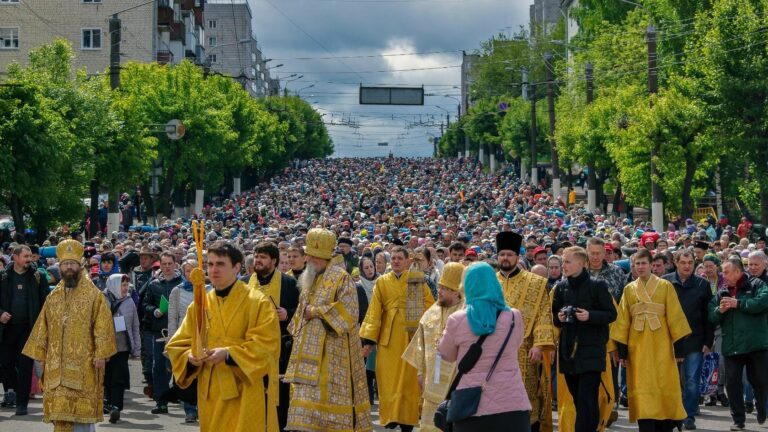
pixel 69 250
pixel 320 243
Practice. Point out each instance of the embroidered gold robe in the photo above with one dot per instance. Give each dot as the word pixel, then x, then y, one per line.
pixel 233 398
pixel 74 328
pixel 421 353
pixel 329 392
pixel 385 324
pixel 527 292
pixel 650 321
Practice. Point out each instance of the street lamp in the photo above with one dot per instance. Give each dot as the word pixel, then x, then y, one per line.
pixel 458 106
pixel 298 93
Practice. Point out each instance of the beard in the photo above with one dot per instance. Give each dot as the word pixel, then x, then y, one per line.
pixel 307 277
pixel 70 278
pixel 506 265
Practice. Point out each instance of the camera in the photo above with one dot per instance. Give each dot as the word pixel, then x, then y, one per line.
pixel 570 314
pixel 723 294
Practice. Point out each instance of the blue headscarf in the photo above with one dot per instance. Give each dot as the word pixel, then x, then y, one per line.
pixel 484 298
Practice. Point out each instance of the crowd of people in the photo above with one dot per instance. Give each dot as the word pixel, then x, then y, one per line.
pixel 347 282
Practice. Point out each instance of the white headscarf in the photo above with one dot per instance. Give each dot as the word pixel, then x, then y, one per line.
pixel 113 285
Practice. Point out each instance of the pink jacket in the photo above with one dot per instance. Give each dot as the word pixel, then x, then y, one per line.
pixel 505 391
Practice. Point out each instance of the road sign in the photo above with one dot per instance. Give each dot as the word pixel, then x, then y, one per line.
pixel 383 144
pixel 391 95
pixel 175 129
pixel 503 106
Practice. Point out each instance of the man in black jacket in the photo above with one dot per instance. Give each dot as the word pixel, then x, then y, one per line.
pixel 155 310
pixel 582 308
pixel 22 293
pixel 282 291
pixel 694 294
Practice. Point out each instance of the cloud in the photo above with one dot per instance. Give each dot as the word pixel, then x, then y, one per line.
pixel 302 34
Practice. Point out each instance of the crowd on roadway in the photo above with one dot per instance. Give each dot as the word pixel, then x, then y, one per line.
pixel 347 282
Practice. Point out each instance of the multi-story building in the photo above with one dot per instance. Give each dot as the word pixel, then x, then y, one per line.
pixel 545 13
pixel 468 61
pixel 165 31
pixel 231 48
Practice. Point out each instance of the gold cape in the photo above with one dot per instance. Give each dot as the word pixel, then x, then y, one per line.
pixel 385 324
pixel 329 392
pixel 74 328
pixel 527 292
pixel 233 398
pixel 421 353
pixel 653 380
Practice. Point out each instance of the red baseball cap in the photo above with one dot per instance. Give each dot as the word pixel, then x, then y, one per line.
pixel 470 252
pixel 538 250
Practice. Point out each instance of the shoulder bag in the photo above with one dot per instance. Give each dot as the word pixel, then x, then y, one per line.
pixel 463 403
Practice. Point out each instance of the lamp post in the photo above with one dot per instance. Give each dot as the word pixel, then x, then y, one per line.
pixel 298 93
pixel 458 106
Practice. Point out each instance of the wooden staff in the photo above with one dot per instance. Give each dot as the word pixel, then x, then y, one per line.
pixel 197 277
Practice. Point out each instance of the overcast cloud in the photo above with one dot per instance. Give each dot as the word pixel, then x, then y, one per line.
pixel 289 30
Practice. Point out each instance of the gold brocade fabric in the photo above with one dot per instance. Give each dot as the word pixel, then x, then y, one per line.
pixel 414 300
pixel 421 353
pixel 527 292
pixel 74 328
pixel 233 398
pixel 384 324
pixel 653 381
pixel 329 392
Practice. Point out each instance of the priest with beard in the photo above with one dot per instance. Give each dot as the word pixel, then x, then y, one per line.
pixel 326 369
pixel 73 338
pixel 527 293
pixel 284 296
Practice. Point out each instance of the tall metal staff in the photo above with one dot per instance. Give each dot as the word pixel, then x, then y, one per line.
pixel 197 277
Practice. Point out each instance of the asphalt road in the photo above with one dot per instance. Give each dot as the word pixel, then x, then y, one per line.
pixel 137 416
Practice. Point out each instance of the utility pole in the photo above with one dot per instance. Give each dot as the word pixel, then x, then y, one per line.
pixel 591 174
pixel 657 195
pixel 556 190
pixel 113 218
pixel 534 164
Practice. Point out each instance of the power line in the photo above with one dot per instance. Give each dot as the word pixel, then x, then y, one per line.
pixel 309 35
pixel 370 55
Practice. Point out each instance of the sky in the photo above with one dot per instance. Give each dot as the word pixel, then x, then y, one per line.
pixel 338 44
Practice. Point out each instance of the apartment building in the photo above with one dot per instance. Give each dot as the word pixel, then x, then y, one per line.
pixel 232 49
pixel 166 31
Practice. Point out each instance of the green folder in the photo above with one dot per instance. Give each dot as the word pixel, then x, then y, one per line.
pixel 163 305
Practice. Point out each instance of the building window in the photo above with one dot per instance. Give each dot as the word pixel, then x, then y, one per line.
pixel 211 24
pixel 91 39
pixel 212 41
pixel 9 38
pixel 212 58
pixel 9 1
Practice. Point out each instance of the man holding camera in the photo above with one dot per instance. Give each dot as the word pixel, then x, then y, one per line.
pixel 582 308
pixel 741 310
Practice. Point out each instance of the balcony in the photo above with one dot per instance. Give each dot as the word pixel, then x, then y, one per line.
pixel 198 16
pixel 187 5
pixel 177 31
pixel 164 13
pixel 164 57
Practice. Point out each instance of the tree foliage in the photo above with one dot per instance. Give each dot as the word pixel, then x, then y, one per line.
pixel 60 128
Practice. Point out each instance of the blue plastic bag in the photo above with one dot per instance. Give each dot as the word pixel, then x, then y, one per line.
pixel 710 374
